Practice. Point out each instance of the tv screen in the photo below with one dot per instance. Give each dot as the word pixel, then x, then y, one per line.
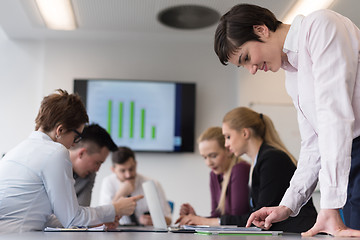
pixel 147 116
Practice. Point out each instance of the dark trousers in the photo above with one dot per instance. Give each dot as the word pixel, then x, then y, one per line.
pixel 352 207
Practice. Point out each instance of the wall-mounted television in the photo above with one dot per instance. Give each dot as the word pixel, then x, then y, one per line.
pixel 147 116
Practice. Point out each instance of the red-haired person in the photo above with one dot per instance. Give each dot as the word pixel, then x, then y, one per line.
pixel 36 177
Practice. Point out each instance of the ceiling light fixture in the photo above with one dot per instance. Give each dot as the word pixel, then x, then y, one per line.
pixel 305 7
pixel 57 14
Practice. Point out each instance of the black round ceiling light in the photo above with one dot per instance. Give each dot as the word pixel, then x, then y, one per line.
pixel 189 17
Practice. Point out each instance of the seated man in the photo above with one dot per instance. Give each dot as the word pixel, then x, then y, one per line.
pixel 86 157
pixel 126 182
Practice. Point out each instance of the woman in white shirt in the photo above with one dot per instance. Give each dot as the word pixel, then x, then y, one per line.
pixel 320 54
pixel 36 177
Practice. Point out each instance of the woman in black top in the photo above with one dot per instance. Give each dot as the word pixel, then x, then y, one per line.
pixel 251 133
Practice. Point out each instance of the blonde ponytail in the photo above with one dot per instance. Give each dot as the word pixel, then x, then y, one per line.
pixel 262 126
pixel 272 138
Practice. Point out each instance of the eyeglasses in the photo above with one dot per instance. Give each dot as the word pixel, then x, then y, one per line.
pixel 77 137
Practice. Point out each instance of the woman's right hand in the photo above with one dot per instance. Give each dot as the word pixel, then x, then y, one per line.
pixel 126 206
pixel 264 217
pixel 186 209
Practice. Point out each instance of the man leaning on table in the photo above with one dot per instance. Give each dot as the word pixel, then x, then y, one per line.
pixel 86 157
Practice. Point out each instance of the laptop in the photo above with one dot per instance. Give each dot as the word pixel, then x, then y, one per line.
pixel 154 204
pixel 155 209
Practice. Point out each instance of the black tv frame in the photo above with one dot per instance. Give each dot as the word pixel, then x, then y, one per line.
pixel 187 105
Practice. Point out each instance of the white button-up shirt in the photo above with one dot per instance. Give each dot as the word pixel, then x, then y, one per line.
pixel 322 79
pixel 36 180
pixel 111 185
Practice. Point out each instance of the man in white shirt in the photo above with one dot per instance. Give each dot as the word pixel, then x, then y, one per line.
pixel 124 182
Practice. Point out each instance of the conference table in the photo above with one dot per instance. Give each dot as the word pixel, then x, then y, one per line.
pixel 148 236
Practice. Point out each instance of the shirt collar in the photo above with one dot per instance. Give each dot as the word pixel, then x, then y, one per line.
pixel 256 157
pixel 291 45
pixel 292 38
pixel 40 135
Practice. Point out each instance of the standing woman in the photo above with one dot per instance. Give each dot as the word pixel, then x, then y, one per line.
pixel 320 54
pixel 229 179
pixel 36 177
pixel 248 132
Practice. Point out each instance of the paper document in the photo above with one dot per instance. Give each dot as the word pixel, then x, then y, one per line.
pixel 230 230
pixel 221 228
pixel 101 228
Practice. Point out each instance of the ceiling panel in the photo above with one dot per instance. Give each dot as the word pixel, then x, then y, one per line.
pixel 112 19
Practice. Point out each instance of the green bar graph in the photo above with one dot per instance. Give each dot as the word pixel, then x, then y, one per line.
pixel 142 127
pixel 153 132
pixel 109 116
pixel 132 112
pixel 131 120
pixel 121 109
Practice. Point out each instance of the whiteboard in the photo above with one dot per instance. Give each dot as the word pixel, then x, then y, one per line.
pixel 284 117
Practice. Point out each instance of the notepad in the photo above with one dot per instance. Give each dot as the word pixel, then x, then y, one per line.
pixel 101 228
pixel 220 228
pixel 238 232
pixel 194 228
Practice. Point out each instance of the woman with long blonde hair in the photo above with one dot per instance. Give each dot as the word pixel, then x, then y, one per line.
pixel 251 133
pixel 228 181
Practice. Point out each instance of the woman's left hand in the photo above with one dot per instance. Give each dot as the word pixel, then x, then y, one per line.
pixel 329 221
pixel 191 220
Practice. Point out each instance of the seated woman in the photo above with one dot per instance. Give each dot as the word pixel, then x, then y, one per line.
pixel 36 177
pixel 248 132
pixel 229 179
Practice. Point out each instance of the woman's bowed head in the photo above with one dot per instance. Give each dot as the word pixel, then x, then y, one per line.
pixel 250 36
pixel 62 116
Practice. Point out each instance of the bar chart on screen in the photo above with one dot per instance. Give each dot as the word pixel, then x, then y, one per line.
pixel 131 116
pixel 136 115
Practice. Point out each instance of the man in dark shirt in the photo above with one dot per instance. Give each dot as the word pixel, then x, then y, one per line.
pixel 86 157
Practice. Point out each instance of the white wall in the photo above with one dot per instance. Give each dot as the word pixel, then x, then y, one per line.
pixel 20 75
pixel 30 70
